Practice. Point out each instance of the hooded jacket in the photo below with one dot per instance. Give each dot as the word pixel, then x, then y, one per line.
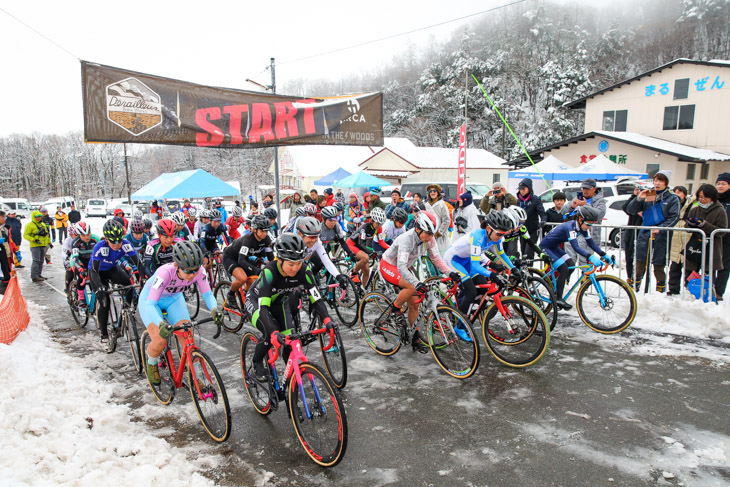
pixel 713 217
pixel 533 207
pixel 468 213
pixel 38 234
pixel 16 232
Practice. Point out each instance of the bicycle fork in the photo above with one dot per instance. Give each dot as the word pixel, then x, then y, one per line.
pixel 511 328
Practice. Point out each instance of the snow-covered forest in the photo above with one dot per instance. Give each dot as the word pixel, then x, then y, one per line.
pixel 531 58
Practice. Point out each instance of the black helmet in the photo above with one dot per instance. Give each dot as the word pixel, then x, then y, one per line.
pixel 589 213
pixel 270 213
pixel 147 223
pixel 499 221
pixel 261 222
pixel 399 215
pixel 114 231
pixel 187 255
pixel 339 206
pixel 309 226
pixel 290 246
pixel 329 212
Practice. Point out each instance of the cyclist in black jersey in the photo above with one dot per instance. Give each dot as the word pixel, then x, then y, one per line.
pixel 240 258
pixel 267 301
pixel 159 250
pixel 209 236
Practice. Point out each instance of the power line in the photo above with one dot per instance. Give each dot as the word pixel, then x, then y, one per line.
pixel 40 34
pixel 326 53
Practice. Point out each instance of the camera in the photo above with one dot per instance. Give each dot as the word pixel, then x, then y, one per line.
pixel 42 232
pixel 497 191
pixel 580 195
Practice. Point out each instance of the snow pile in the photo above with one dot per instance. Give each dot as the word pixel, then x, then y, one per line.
pixel 685 316
pixel 60 426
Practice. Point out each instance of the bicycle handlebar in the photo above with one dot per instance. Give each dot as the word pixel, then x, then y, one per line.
pixel 192 323
pixel 276 342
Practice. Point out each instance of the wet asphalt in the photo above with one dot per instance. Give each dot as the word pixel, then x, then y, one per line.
pixel 596 410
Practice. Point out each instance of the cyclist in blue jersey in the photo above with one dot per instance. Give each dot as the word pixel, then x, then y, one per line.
pixel 137 236
pixel 103 268
pixel 584 218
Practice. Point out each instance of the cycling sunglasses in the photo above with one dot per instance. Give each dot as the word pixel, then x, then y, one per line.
pixel 189 271
pixel 589 224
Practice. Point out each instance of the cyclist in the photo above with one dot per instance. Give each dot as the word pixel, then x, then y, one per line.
pixel 292 223
pixel 332 232
pixel 518 217
pixel 395 264
pixel 159 250
pixel 394 227
pixel 191 221
pixel 137 236
pixel 310 229
pixel 240 258
pixel 81 250
pixel 203 220
pixel 209 237
pixel 181 229
pixel 164 292
pixel 66 252
pixel 415 208
pixel 267 301
pixel 579 223
pixel 465 257
pixel 148 228
pixel 138 215
pixel 103 268
pixel 360 243
pixel 234 221
pixel 271 214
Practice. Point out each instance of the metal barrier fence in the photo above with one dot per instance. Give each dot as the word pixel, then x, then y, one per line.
pixel 712 246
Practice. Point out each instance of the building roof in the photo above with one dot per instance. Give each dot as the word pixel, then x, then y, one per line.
pixel 581 102
pixel 686 153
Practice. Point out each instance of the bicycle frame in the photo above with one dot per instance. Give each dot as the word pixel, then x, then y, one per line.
pixel 186 359
pixel 589 271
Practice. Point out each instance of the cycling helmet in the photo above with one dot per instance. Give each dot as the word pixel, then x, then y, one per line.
pixel 329 212
pixel 300 211
pixel 520 213
pixel 236 211
pixel 138 215
pixel 378 215
pixel 426 221
pixel 147 223
pixel 339 206
pixel 204 214
pixel 178 218
pixel 513 218
pixel 82 228
pixel 113 231
pixel 136 226
pixel 589 213
pixel 260 222
pixel 215 215
pixel 72 230
pixel 420 206
pixel 270 213
pixel 309 226
pixel 310 209
pixel 192 212
pixel 499 221
pixel 187 255
pixel 290 246
pixel 166 227
pixel 399 215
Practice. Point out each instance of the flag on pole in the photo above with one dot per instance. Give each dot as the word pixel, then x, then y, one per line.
pixel 461 180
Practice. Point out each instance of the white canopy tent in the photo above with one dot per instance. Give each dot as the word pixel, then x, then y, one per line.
pixel 551 168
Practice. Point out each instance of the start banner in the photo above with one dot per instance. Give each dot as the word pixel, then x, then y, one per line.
pixel 126 106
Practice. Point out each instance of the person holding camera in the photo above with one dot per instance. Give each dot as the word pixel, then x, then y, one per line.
pixel 589 195
pixel 37 233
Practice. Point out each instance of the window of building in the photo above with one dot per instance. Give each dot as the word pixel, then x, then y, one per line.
pixel 690 171
pixel 705 171
pixel 690 188
pixel 495 178
pixel 679 117
pixel 615 120
pixel 652 169
pixel 681 89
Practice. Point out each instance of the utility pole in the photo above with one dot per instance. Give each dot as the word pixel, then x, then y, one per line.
pixel 276 155
pixel 126 170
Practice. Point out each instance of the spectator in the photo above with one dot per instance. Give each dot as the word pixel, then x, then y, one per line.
pixel 295 202
pixel 678 242
pixel 48 221
pixel 7 251
pixel 329 197
pixel 553 215
pixel 37 233
pixel 353 215
pixel 16 235
pixel 154 209
pixel 366 201
pixel 708 215
pixel 119 216
pixel 268 201
pixel 588 195
pixel 219 207
pixel 312 198
pixel 629 236
pixel 497 199
pixel 532 205
pixel 74 216
pixel 437 206
pixel 321 203
pixel 396 201
pixel 723 188
pixel 465 216
pixel 61 221
pixel 340 197
pixel 417 198
pixel 659 208
pixel 375 200
pixel 186 206
pixel 254 208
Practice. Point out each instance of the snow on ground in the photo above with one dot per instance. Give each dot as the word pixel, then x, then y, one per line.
pixel 61 427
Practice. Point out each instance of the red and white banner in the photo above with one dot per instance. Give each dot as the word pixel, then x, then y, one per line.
pixel 461 180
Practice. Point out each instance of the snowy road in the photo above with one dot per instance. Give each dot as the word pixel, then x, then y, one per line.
pixel 645 408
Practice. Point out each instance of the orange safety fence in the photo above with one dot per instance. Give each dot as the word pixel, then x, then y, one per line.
pixel 14 316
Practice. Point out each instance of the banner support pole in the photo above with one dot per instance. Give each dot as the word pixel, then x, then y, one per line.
pixel 276 155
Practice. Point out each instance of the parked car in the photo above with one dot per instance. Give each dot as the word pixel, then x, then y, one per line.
pixel 21 206
pixel 173 205
pixel 141 205
pixel 614 216
pixel 35 205
pixel 113 204
pixel 65 202
pixel 95 207
pixel 622 186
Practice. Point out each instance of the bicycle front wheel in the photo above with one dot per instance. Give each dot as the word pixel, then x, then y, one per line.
pixel 542 294
pixel 452 342
pixel 165 390
pixel 615 313
pixel 335 359
pixel 346 302
pixel 232 318
pixel 192 299
pixel 517 337
pixel 130 325
pixel 80 313
pixel 318 416
pixel 209 396
pixel 380 329
pixel 258 393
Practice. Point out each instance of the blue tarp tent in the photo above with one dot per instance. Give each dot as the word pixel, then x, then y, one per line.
pixel 332 178
pixel 184 184
pixel 361 180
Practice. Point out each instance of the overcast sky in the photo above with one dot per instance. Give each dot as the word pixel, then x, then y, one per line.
pixel 213 43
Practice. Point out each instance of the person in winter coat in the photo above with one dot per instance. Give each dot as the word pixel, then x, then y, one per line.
pixel 312 198
pixel 340 197
pixel 553 214
pixel 723 188
pixel 437 206
pixel 589 195
pixel 497 199
pixel 678 241
pixel 295 202
pixel 74 216
pixel 629 236
pixel 353 213
pixel 61 222
pixel 375 201
pixel 12 223
pixel 38 234
pixel 396 201
pixel 119 216
pixel 666 215
pixel 532 205
pixel 329 197
pixel 366 201
pixel 708 215
pixel 7 251
pixel 267 202
pixel 465 216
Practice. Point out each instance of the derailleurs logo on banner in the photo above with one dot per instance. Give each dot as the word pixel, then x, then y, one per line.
pixel 133 106
pixel 353 106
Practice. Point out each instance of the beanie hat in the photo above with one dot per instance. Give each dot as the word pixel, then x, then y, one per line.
pixel 467 198
pixel 724 177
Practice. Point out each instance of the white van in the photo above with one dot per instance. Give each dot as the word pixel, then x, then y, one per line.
pixel 64 202
pixel 95 207
pixel 20 205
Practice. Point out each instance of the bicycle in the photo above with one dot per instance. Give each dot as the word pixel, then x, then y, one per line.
pixel 536 289
pixel 450 336
pixel 218 272
pixel 344 302
pixel 233 319
pixel 79 312
pixel 374 283
pixel 599 294
pixel 313 403
pixel 204 382
pixel 192 298
pixel 514 328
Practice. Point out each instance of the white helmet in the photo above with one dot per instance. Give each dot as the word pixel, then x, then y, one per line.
pixel 513 218
pixel 138 215
pixel 520 213
pixel 426 221
pixel 378 215
pixel 236 211
pixel 192 212
pixel 178 217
